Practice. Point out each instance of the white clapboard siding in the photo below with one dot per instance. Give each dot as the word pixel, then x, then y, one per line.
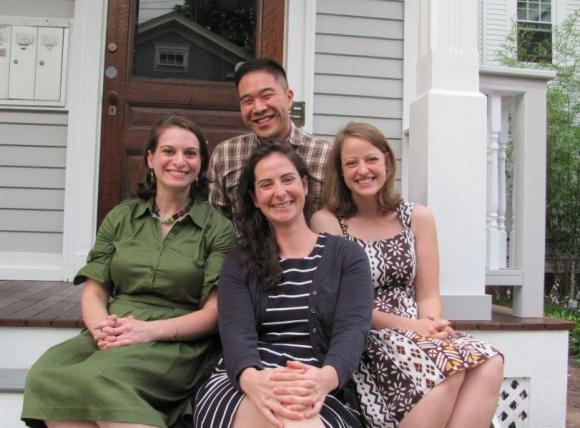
pixel 32 180
pixel 359 67
pixel 16 134
pixel 359 27
pixel 328 125
pixel 496 25
pixel 351 106
pixel 363 8
pixel 36 156
pixel 360 46
pixel 26 242
pixel 32 199
pixel 384 68
pixel 358 86
pixel 31 220
pixel 40 178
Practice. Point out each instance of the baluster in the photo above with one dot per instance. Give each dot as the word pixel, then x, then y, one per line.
pixel 493 178
pixel 502 188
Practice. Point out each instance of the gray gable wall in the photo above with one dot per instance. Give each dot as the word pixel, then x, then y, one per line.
pixel 359 67
pixel 32 172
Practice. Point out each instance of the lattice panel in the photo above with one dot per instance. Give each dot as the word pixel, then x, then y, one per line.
pixel 513 404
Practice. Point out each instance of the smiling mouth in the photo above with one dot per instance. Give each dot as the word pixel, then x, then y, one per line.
pixel 264 119
pixel 178 173
pixel 365 180
pixel 282 204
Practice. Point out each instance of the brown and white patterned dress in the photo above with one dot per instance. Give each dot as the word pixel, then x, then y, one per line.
pixel 399 366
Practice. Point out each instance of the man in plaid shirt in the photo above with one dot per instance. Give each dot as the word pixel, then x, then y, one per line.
pixel 265 102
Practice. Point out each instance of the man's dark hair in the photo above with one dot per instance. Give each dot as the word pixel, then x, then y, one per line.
pixel 261 64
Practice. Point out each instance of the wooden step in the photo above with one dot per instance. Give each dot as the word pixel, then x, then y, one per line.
pixel 57 304
pixel 40 304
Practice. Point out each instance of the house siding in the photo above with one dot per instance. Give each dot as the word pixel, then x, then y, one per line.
pixel 496 24
pixel 359 67
pixel 32 179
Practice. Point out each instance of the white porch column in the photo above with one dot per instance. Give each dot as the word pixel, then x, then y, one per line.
pixel 447 151
pixel 84 132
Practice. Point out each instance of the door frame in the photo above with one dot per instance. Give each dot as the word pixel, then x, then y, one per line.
pixel 120 138
pixel 84 103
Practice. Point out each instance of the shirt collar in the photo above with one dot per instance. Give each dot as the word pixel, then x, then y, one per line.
pixel 292 139
pixel 197 212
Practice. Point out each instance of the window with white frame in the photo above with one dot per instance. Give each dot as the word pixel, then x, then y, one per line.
pixel 171 57
pixel 534 27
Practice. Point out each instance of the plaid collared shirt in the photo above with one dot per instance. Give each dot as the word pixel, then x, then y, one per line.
pixel 231 156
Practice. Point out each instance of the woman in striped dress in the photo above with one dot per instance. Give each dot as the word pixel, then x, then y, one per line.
pixel 294 310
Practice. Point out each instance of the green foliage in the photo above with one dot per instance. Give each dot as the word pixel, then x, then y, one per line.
pixel 563 151
pixel 234 20
pixel 555 310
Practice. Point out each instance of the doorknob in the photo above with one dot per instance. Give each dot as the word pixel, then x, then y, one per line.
pixel 112 99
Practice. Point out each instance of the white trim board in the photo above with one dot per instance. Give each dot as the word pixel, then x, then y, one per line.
pixel 31 266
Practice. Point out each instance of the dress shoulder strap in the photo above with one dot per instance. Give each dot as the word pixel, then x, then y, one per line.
pixel 405 210
pixel 343 226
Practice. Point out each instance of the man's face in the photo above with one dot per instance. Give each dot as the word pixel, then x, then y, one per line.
pixel 265 105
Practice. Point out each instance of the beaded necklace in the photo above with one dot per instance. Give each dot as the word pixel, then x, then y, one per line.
pixel 170 219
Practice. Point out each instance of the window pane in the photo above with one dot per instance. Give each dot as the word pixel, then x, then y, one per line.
pixel 546 13
pixel 522 13
pixel 533 12
pixel 534 42
pixel 200 39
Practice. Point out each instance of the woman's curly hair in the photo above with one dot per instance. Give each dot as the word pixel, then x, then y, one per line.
pixel 257 249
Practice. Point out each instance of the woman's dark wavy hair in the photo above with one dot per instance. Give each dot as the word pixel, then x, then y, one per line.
pixel 336 196
pixel 199 188
pixel 257 246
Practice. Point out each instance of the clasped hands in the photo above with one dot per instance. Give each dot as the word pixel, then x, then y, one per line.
pixel 435 327
pixel 294 392
pixel 115 331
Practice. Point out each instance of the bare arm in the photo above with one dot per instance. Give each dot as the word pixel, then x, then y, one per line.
pixel 427 255
pixel 426 283
pixel 324 221
pixel 94 300
pixel 190 326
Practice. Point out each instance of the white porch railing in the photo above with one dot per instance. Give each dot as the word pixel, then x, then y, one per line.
pixel 516 182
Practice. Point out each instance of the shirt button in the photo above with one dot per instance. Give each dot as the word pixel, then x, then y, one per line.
pixel 312 310
pixel 314 330
pixel 314 292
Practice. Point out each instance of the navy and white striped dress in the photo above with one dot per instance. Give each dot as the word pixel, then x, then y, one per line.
pixel 283 335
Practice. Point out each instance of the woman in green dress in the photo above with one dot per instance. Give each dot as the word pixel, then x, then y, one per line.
pixel 149 301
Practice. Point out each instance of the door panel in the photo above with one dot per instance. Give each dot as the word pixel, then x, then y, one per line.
pixel 152 68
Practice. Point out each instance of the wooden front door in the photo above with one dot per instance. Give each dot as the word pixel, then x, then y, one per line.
pixel 175 56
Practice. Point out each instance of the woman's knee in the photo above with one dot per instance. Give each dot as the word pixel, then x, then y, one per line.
pixel 495 369
pixel 489 373
pixel 453 383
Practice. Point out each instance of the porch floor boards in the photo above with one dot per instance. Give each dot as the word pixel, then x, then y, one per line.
pixel 57 304
pixel 40 304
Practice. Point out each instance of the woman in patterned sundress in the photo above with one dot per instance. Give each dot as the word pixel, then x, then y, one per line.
pixel 416 371
pixel 294 310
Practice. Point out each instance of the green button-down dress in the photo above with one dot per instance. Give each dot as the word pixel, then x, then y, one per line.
pixel 150 278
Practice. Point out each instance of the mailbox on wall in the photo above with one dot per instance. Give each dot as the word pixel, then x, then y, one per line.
pixel 33 59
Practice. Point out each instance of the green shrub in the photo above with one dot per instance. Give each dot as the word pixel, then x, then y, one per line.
pixel 558 310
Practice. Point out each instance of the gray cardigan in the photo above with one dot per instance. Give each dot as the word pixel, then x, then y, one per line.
pixel 339 311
